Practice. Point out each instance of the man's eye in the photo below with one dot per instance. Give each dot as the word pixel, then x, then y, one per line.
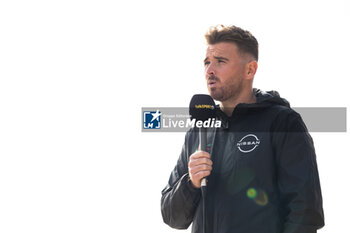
pixel 221 61
pixel 206 63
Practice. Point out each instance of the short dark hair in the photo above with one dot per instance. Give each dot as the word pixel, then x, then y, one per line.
pixel 244 40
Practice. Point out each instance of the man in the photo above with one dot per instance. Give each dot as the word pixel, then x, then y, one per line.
pixel 261 165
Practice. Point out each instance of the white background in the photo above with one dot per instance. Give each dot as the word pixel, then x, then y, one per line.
pixel 75 74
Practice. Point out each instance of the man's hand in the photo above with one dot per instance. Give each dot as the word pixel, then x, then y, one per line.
pixel 199 167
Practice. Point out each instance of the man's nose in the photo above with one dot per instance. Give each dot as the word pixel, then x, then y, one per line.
pixel 210 70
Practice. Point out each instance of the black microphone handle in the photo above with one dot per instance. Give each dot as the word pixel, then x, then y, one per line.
pixel 203 147
pixel 203 139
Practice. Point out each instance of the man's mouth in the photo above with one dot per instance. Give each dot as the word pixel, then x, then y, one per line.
pixel 211 83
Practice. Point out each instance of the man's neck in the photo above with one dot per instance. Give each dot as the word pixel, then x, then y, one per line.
pixel 229 105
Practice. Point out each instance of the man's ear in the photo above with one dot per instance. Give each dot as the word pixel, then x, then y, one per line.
pixel 251 68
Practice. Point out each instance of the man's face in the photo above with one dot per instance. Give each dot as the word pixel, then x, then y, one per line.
pixel 224 71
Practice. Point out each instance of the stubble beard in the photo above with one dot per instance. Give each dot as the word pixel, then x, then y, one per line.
pixel 225 92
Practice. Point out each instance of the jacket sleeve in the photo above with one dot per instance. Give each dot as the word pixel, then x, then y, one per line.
pixel 179 198
pixel 297 178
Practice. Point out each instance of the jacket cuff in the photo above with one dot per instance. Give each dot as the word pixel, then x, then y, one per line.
pixel 188 184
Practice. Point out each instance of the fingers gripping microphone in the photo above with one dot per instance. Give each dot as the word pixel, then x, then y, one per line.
pixel 202 108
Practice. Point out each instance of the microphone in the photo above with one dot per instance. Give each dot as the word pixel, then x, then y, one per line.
pixel 202 108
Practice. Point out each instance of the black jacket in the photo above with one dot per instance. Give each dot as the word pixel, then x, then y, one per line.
pixel 264 176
